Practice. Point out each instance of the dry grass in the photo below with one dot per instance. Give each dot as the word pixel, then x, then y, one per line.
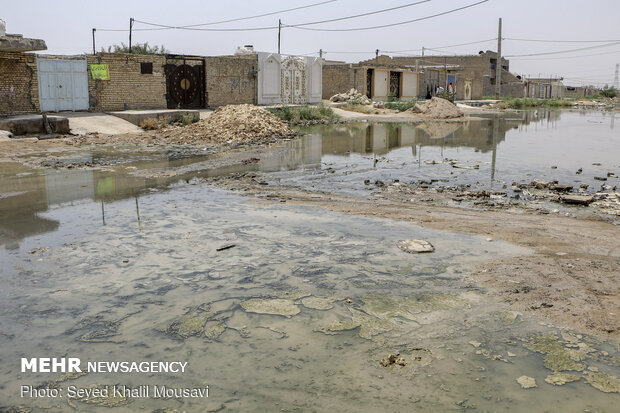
pixel 152 124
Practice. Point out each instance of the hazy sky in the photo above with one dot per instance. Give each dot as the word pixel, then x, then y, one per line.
pixel 66 27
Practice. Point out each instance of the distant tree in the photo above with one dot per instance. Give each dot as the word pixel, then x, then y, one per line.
pixel 139 48
pixel 609 92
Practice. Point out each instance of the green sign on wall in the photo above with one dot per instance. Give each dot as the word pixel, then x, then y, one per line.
pixel 100 72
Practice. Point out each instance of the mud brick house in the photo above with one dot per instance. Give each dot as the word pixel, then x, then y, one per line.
pixel 19 87
pixel 377 79
pixel 474 74
pixel 469 76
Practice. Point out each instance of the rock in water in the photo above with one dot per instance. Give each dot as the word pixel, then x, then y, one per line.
pixel 413 246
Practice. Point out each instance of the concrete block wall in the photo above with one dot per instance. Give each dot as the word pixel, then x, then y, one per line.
pixel 231 80
pixel 127 86
pixel 19 84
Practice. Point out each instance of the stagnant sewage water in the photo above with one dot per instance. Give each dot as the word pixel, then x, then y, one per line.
pixel 296 315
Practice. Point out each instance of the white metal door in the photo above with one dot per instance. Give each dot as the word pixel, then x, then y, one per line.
pixel 63 84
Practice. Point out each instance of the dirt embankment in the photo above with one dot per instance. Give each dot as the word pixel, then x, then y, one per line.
pixel 228 127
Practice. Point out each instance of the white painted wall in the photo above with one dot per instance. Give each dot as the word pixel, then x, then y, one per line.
pixel 410 85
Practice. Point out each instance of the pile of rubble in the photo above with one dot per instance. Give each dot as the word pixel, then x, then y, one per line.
pixel 352 96
pixel 232 124
pixel 437 108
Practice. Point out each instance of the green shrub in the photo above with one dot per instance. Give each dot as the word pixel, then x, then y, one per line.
pixel 296 114
pixel 609 92
pixel 400 105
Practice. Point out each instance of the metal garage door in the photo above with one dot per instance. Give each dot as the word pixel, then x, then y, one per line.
pixel 63 84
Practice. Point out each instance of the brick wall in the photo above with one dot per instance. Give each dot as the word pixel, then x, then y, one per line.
pixel 127 86
pixel 19 85
pixel 231 80
pixel 339 78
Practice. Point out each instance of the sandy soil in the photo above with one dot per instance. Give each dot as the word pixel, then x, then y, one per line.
pixel 571 278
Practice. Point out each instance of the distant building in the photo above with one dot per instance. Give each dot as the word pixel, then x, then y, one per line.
pixel 544 88
pixel 468 77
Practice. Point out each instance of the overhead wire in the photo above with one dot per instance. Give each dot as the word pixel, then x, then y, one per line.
pixel 360 15
pixel 163 26
pixel 565 51
pixel 391 24
pixel 560 41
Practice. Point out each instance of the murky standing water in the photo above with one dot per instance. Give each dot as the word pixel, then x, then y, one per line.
pixel 278 307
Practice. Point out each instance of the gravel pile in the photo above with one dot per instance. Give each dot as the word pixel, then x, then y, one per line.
pixel 232 124
pixel 437 108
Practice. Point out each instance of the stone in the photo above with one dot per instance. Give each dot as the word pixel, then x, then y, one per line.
pixel 393 359
pixel 527 382
pixel 413 246
pixel 561 188
pixel 540 183
pixel 5 135
pixel 577 199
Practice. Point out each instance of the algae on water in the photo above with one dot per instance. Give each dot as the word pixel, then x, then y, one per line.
pixel 276 306
pixel 558 379
pixel 190 324
pixel 318 303
pixel 214 329
pixel 603 382
pixel 557 357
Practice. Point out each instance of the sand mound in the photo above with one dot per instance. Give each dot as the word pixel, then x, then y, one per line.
pixel 232 123
pixel 437 108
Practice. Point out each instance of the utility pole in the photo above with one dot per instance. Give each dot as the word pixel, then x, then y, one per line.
pixel 422 52
pixel 94 49
pixel 321 53
pixel 130 30
pixel 279 30
pixel 377 56
pixel 498 65
pixel 616 84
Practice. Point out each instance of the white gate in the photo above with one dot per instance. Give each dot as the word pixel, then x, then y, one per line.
pixel 289 80
pixel 63 84
pixel 293 81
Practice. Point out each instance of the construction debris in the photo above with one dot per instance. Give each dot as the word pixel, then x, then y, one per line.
pixel 352 96
pixel 232 124
pixel 437 108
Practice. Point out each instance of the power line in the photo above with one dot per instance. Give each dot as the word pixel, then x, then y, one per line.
pixel 360 15
pixel 163 26
pixel 566 51
pixel 560 41
pixel 441 47
pixel 391 24
pixel 571 57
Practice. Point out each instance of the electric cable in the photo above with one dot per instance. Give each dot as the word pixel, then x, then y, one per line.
pixel 391 24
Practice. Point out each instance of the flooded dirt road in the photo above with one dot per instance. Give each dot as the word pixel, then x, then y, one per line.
pixel 295 295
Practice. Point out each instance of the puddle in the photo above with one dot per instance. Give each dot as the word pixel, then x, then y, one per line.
pixel 485 154
pixel 297 315
pixel 287 307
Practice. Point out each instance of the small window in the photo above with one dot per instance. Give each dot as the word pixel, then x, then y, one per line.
pixel 146 68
